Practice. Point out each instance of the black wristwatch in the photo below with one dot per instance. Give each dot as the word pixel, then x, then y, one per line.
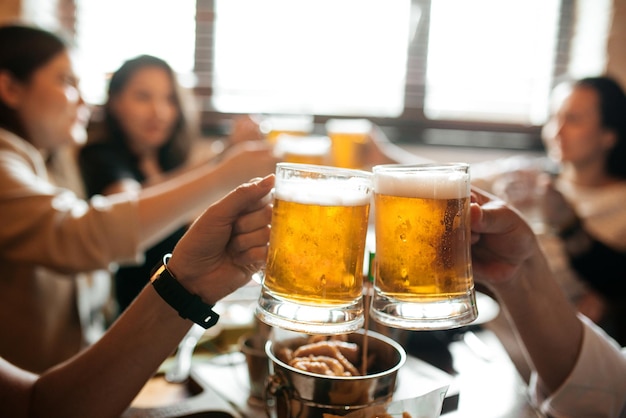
pixel 187 305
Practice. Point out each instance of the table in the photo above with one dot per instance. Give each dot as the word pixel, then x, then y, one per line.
pixel 485 380
pixel 489 384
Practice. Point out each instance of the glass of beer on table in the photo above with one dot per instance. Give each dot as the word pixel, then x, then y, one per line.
pixel 313 278
pixel 423 272
pixel 307 149
pixel 275 125
pixel 349 137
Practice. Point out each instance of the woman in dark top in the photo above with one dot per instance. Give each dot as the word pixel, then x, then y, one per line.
pixel 147 134
pixel 117 157
pixel 587 136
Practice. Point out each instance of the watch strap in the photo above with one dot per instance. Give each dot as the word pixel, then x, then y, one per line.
pixel 187 305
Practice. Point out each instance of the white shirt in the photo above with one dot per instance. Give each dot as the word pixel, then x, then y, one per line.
pixel 597 385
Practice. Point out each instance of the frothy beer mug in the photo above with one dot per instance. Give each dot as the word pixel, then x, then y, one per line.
pixel 309 149
pixel 423 271
pixel 276 125
pixel 349 137
pixel 313 279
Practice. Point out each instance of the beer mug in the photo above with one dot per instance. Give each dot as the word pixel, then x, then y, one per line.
pixel 313 278
pixel 275 125
pixel 423 272
pixel 349 137
pixel 309 149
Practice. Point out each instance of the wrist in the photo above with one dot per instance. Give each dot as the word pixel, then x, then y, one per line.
pixel 174 269
pixel 188 305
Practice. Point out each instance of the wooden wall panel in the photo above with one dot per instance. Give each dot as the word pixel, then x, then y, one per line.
pixel 616 44
pixel 10 10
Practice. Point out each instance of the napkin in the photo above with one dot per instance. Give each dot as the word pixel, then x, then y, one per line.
pixel 427 405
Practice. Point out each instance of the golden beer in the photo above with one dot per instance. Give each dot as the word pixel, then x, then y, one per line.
pixel 308 149
pixel 316 252
pixel 423 270
pixel 349 137
pixel 419 257
pixel 272 136
pixel 313 279
pixel 292 157
pixel 296 125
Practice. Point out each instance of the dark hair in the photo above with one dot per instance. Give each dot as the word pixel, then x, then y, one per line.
pixel 613 116
pixel 23 50
pixel 177 148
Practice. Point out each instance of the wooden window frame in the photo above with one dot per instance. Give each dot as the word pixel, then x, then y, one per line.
pixel 412 125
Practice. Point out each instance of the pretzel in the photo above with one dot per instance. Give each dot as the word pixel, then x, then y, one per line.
pixel 330 356
pixel 319 364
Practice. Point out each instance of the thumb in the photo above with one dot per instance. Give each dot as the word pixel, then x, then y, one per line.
pixel 494 217
pixel 246 198
pixel 209 234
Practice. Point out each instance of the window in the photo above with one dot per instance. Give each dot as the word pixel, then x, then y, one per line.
pixel 478 62
pixel 484 63
pixel 409 64
pixel 110 32
pixel 313 57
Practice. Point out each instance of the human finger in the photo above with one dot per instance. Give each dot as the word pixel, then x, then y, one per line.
pixel 246 198
pixel 205 242
pixel 252 260
pixel 253 220
pixel 256 238
pixel 481 196
pixel 494 217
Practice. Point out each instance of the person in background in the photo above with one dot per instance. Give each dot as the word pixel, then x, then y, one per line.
pixel 149 135
pixel 50 235
pixel 584 203
pixel 579 204
pixel 582 222
pixel 577 370
pixel 215 256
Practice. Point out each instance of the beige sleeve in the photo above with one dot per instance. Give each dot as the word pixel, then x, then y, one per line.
pixel 50 226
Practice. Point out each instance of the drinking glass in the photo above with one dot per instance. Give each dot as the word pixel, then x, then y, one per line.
pixel 423 272
pixel 313 279
pixel 275 125
pixel 349 137
pixel 308 149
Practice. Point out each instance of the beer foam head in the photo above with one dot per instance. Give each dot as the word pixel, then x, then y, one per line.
pixel 429 184
pixel 288 123
pixel 302 145
pixel 327 192
pixel 352 126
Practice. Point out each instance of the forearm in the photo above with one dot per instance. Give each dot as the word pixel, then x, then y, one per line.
pixel 112 371
pixel 170 204
pixel 544 319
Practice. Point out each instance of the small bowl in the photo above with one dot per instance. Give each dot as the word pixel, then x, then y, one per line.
pixel 303 394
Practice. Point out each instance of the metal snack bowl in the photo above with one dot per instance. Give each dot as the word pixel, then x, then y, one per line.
pixel 291 392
